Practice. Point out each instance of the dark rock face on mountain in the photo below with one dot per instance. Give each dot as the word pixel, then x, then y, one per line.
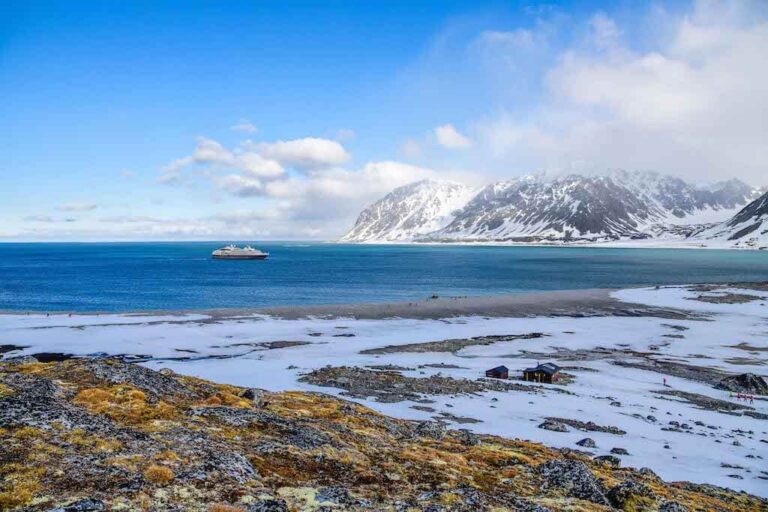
pixel 744 383
pixel 82 435
pixel 569 207
pixel 620 205
pixel 747 229
pixel 753 211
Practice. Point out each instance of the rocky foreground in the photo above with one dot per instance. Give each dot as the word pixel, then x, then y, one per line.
pixel 88 434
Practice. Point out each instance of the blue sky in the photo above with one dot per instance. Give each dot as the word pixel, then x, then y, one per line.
pixel 285 118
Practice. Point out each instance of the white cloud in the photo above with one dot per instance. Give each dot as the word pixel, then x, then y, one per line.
pixel 240 185
pixel 340 193
pixel 77 207
pixel 253 168
pixel 255 164
pixel 447 136
pixel 244 126
pixel 127 174
pixel 307 153
pixel 694 106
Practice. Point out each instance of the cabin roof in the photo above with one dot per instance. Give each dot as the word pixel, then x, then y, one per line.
pixel 548 368
pixel 499 369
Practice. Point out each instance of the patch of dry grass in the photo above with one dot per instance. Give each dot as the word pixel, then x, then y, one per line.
pixel 158 475
pixel 124 404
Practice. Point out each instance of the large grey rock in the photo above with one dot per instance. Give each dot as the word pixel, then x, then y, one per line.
pixel 38 402
pixel 554 426
pixel 154 384
pixel 610 460
pixel 574 478
pixel 744 383
pixel 431 429
pixel 628 492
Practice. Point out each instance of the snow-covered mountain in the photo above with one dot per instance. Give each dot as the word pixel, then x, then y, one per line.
pixel 746 229
pixel 410 211
pixel 616 206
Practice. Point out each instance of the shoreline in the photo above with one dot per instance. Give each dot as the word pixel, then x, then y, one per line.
pixel 575 303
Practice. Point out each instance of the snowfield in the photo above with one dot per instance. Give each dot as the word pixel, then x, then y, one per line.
pixel 611 360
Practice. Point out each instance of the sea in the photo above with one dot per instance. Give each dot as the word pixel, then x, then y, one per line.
pixel 125 277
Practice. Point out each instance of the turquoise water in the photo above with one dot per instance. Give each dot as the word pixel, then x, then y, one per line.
pixel 169 276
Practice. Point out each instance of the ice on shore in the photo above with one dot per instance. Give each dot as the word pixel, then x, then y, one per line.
pixel 718 448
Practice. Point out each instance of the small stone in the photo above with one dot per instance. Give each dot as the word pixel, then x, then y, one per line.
pixel 255 395
pixel 268 505
pixel 587 442
pixel 467 438
pixel 335 494
pixel 672 506
pixel 610 460
pixel 86 505
pixel 432 429
pixel 619 451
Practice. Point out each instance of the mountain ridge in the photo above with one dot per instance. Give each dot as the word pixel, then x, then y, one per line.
pixel 620 205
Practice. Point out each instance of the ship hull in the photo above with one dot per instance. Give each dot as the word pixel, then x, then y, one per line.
pixel 240 257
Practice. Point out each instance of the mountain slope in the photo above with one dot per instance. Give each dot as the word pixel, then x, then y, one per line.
pixel 409 211
pixel 747 229
pixel 566 208
pixel 617 206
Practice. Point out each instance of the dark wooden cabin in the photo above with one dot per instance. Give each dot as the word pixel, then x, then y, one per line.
pixel 500 372
pixel 547 373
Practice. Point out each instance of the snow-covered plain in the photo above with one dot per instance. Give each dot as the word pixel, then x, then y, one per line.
pixel 729 337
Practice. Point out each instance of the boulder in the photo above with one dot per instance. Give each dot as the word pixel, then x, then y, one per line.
pixel 554 426
pixel 631 496
pixel 574 478
pixel 587 442
pixel 611 460
pixel 744 383
pixel 154 384
pixel 254 395
pixel 431 429
pixel 619 451
pixel 467 438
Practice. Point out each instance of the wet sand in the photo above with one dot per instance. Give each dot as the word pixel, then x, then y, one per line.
pixel 572 303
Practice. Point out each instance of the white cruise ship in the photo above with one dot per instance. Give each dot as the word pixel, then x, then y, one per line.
pixel 232 252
